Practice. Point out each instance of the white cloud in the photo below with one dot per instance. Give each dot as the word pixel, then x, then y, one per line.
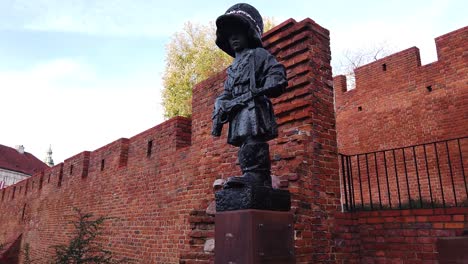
pixel 104 17
pixel 63 103
pixel 418 28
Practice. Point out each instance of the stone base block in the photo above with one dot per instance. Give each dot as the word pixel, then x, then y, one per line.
pixel 256 197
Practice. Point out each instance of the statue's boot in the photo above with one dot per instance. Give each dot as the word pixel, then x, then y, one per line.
pixel 254 159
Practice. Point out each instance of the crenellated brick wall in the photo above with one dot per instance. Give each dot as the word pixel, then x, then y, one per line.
pixel 123 180
pixel 397 102
pixel 158 183
pixel 398 105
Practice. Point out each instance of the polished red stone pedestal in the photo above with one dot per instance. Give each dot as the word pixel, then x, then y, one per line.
pixel 453 250
pixel 254 236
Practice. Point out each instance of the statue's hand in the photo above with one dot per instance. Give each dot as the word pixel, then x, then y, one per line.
pixel 258 91
pixel 217 125
pixel 216 133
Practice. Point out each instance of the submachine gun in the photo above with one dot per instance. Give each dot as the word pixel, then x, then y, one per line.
pixel 225 110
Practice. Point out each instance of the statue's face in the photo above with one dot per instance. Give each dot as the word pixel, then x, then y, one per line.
pixel 238 40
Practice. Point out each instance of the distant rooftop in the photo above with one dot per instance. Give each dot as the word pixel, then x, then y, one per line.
pixel 20 161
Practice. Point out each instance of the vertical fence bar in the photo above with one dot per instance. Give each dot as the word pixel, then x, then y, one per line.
pixel 369 183
pixel 451 173
pixel 386 177
pixel 396 176
pixel 407 180
pixel 344 182
pixel 417 177
pixel 428 176
pixel 462 168
pixel 378 181
pixel 440 176
pixel 360 181
pixel 351 181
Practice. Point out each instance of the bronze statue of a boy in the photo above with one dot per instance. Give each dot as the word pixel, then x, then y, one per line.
pixel 252 78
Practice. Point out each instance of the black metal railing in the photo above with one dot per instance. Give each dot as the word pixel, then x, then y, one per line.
pixel 420 176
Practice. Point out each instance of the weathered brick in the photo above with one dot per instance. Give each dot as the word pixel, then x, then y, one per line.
pixel 452 225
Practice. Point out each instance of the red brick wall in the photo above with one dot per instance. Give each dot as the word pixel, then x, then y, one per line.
pixel 159 197
pixel 159 200
pixel 397 108
pixel 399 236
pixel 118 180
pixel 394 108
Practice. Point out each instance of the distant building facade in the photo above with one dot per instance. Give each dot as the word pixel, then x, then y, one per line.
pixel 16 165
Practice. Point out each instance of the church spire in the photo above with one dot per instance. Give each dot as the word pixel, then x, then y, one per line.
pixel 48 160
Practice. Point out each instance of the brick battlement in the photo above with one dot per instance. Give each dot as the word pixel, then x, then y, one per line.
pixel 399 102
pixel 170 136
pixel 451 49
pixel 158 183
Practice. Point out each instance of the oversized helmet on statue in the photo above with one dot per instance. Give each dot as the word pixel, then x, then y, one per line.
pixel 239 16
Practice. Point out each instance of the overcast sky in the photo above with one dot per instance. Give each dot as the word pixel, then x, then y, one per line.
pixel 79 74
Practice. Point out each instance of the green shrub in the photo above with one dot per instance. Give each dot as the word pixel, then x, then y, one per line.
pixel 84 247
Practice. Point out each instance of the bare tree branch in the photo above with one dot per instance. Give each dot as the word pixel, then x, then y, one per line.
pixel 357 58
